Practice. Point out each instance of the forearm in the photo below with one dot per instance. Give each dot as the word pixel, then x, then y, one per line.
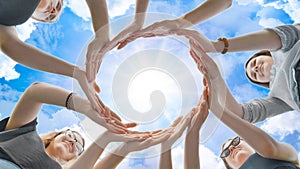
pixel 88 159
pixel 112 160
pixel 191 150
pixel 165 161
pixel 31 56
pixel 140 11
pixel 99 15
pixel 206 10
pixel 267 146
pixel 265 39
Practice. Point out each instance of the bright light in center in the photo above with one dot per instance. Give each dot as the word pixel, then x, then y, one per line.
pixel 148 80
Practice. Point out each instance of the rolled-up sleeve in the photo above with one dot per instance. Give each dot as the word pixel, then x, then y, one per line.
pixel 288 34
pixel 260 109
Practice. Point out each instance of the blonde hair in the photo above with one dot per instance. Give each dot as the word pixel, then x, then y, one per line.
pixel 49 137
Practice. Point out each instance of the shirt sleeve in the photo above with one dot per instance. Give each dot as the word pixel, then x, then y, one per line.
pixel 288 34
pixel 260 109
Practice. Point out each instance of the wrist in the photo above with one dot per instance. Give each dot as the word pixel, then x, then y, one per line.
pixel 122 150
pixel 219 46
pixel 183 22
pixel 103 33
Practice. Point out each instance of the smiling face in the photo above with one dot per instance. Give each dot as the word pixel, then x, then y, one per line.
pixel 66 146
pixel 258 68
pixel 48 10
pixel 238 154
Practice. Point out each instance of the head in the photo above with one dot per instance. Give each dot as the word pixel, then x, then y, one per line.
pixel 48 10
pixel 63 146
pixel 235 152
pixel 258 68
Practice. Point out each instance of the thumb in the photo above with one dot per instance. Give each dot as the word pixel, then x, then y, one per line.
pixel 96 87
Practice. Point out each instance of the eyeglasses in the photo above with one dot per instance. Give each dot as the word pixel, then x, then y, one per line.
pixel 234 142
pixel 78 146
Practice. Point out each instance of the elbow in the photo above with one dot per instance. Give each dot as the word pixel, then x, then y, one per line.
pixel 269 150
pixel 32 89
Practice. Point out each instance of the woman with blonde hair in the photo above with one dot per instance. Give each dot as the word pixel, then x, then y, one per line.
pixel 22 147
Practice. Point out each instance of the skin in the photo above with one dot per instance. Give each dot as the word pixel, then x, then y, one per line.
pixel 238 154
pixel 48 10
pixel 63 147
pixel 267 146
pixel 259 68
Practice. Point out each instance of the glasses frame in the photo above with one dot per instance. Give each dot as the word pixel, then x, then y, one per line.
pixel 78 146
pixel 234 142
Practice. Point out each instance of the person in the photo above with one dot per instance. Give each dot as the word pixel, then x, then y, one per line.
pixel 16 12
pixel 102 43
pixel 243 151
pixel 204 11
pixel 22 147
pixel 275 67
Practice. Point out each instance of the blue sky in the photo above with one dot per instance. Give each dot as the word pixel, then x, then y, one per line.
pixel 68 37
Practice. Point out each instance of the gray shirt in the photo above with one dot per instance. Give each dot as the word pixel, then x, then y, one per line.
pixel 24 147
pixel 16 12
pixel 283 95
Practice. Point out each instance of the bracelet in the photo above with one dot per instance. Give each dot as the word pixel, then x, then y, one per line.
pixel 68 100
pixel 226 44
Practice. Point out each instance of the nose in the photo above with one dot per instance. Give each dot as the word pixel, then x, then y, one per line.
pixel 255 68
pixel 53 10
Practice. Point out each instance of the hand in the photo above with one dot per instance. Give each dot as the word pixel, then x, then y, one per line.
pixel 201 113
pixel 94 48
pixel 205 63
pixel 178 127
pixel 156 137
pixel 89 88
pixel 108 137
pixel 162 28
pixel 103 47
pixel 215 83
pixel 196 38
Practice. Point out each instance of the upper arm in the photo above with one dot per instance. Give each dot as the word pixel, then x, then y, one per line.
pixel 260 109
pixel 288 35
pixel 281 151
pixel 25 111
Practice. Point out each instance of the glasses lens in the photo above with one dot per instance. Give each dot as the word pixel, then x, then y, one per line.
pixel 225 153
pixel 236 141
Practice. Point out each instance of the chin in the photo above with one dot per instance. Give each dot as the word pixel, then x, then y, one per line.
pixel 242 156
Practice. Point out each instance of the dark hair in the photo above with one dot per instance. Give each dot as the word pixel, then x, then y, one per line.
pixel 262 52
pixel 223 159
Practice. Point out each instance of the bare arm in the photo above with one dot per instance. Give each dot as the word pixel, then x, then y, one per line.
pixel 30 56
pixel 265 39
pixel 37 94
pixel 99 14
pixel 267 146
pixel 205 11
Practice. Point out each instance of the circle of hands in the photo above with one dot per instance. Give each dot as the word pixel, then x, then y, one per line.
pixel 119 131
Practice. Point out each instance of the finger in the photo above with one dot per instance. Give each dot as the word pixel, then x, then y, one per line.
pixel 130 125
pixel 176 121
pixel 96 87
pixel 113 114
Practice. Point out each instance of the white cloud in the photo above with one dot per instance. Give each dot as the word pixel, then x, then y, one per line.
pixel 246 92
pixel 270 22
pixel 8 99
pixel 291 7
pixel 57 120
pixel 115 8
pixel 119 7
pixel 25 29
pixel 7 68
pixel 283 125
pixel 80 8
